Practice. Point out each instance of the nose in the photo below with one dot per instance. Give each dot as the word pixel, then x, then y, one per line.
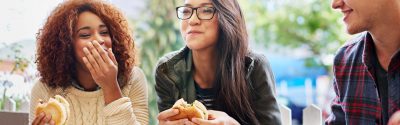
pixel 336 4
pixel 194 19
pixel 99 39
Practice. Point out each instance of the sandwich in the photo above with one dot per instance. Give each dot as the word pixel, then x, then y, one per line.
pixel 57 107
pixel 189 111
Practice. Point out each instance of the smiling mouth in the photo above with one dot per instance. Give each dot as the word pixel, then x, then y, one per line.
pixel 105 49
pixel 346 13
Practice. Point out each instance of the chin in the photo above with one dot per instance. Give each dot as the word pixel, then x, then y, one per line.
pixel 357 26
pixel 194 44
pixel 194 47
pixel 354 29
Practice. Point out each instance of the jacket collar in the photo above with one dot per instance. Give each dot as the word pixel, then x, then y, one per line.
pixel 182 64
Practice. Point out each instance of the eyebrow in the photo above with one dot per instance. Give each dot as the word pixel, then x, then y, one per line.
pixel 202 4
pixel 88 28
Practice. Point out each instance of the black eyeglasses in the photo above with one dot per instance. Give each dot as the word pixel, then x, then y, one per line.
pixel 203 13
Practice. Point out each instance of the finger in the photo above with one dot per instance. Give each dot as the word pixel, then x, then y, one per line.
pixel 91 60
pixel 201 121
pixel 89 66
pixel 190 123
pixel 167 113
pixel 102 51
pixel 52 122
pixel 38 119
pixel 46 120
pixel 178 122
pixel 96 55
pixel 111 55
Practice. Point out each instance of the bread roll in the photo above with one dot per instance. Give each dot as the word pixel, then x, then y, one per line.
pixel 194 110
pixel 57 107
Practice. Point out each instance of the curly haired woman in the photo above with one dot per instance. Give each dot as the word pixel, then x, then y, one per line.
pixel 86 54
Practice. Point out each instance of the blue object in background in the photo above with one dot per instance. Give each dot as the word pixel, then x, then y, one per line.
pixel 293 73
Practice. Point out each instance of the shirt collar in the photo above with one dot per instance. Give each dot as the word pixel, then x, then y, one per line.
pixel 369 50
pixel 77 86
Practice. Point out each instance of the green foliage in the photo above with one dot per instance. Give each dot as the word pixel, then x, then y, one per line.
pixel 157 34
pixel 304 23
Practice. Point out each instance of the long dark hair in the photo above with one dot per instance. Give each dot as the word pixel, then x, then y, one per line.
pixel 232 90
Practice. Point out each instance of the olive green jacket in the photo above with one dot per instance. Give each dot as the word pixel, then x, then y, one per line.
pixel 174 81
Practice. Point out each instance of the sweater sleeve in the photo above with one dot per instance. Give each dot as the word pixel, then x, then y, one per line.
pixel 133 109
pixel 39 91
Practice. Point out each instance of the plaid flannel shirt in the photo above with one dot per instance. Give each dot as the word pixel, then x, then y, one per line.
pixel 357 100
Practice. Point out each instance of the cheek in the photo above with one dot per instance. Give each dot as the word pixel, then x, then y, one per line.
pixel 183 27
pixel 78 47
pixel 213 31
pixel 108 43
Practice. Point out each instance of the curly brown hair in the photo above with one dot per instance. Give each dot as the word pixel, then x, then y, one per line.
pixel 55 53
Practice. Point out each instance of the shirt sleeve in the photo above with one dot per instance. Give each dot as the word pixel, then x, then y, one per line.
pixel 131 110
pixel 265 103
pixel 337 115
pixel 39 91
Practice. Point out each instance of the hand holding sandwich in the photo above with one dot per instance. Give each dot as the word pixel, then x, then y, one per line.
pixel 43 119
pixel 164 118
pixel 183 113
pixel 216 118
pixel 55 111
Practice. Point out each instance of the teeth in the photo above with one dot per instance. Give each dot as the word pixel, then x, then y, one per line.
pixel 104 48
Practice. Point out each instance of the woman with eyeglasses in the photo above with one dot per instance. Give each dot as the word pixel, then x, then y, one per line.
pixel 216 68
pixel 86 54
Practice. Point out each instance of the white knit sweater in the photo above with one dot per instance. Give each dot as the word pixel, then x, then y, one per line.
pixel 88 108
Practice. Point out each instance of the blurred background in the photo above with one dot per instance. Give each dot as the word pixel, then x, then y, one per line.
pixel 298 37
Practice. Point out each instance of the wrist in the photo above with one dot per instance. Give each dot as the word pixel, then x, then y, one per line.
pixel 110 86
pixel 111 93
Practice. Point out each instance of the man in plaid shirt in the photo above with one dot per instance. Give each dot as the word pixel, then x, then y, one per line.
pixel 367 69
